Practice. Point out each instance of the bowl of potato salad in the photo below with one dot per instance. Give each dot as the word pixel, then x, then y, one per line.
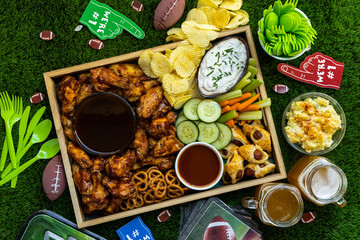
pixel 314 123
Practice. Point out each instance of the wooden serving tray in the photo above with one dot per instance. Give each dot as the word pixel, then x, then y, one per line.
pixel 53 77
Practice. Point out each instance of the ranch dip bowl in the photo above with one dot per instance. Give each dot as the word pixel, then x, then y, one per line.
pixel 222 66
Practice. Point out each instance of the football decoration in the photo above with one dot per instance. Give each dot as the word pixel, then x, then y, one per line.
pixel 281 88
pixel 164 216
pixel 37 97
pixel 167 13
pixel 47 35
pixel 96 44
pixel 308 217
pixel 53 178
pixel 78 28
pixel 219 229
pixel 138 6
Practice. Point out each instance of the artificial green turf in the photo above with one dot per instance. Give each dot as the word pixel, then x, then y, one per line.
pixel 25 57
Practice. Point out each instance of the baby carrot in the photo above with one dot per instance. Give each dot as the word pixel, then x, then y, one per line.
pixel 247 102
pixel 235 100
pixel 230 123
pixel 225 109
pixel 252 107
pixel 242 122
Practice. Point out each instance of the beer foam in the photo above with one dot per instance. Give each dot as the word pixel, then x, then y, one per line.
pixel 325 183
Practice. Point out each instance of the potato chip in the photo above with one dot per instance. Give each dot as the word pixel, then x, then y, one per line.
pixel 173 38
pixel 144 63
pixel 194 91
pixel 209 12
pixel 197 16
pixel 197 36
pixel 194 53
pixel 180 101
pixel 221 18
pixel 168 53
pixel 171 99
pixel 208 3
pixel 175 54
pixel 177 32
pixel 192 78
pixel 184 43
pixel 160 64
pixel 231 4
pixel 183 66
pixel 241 18
pixel 175 85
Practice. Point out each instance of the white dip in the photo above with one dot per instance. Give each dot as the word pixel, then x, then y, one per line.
pixel 222 67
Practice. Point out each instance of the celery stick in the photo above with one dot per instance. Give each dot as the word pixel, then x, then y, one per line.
pixel 244 84
pixel 252 62
pixel 251 86
pixel 228 96
pixel 227 116
pixel 264 103
pixel 241 82
pixel 250 115
pixel 252 70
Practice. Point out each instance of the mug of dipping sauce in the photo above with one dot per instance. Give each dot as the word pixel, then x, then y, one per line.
pixel 276 204
pixel 104 124
pixel 319 180
pixel 199 166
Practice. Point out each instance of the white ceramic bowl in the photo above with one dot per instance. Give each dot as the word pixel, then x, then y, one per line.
pixel 284 58
pixel 198 170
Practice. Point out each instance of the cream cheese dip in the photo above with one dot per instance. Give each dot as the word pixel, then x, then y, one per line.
pixel 222 67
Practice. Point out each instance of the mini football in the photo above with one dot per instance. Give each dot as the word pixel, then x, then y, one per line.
pixel 167 13
pixel 96 44
pixel 37 97
pixel 137 6
pixel 164 216
pixel 47 35
pixel 219 229
pixel 53 178
pixel 281 88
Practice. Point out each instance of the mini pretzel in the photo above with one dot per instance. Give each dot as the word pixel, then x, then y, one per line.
pixel 123 205
pixel 140 180
pixel 171 177
pixel 174 191
pixel 151 168
pixel 155 173
pixel 159 186
pixel 149 197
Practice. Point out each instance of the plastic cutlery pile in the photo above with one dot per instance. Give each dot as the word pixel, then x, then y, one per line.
pixel 29 134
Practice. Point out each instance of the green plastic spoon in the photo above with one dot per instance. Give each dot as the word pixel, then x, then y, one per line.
pixel 41 132
pixel 48 150
pixel 33 123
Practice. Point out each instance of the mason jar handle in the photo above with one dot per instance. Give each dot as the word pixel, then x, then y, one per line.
pixel 250 203
pixel 340 203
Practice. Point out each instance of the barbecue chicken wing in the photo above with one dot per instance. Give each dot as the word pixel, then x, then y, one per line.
pixel 82 179
pixel 98 199
pixel 85 90
pixel 141 144
pixel 163 163
pixel 98 164
pixel 102 77
pixel 149 102
pixel 138 86
pixel 161 127
pixel 113 206
pixel 163 108
pixel 67 91
pixel 68 127
pixel 119 189
pixel 84 78
pixel 119 167
pixel 79 155
pixel 127 70
pixel 166 146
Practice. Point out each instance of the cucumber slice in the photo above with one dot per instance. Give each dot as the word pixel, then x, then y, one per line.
pixel 208 132
pixel 187 132
pixel 190 108
pixel 179 120
pixel 181 114
pixel 208 111
pixel 224 138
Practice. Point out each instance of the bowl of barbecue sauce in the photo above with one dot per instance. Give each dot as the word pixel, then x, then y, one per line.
pixel 104 124
pixel 199 166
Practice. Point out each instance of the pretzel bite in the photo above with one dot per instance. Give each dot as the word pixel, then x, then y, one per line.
pixel 259 170
pixel 233 169
pixel 261 137
pixel 253 154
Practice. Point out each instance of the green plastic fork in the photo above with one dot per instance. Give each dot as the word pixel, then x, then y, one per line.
pixel 7 110
pixel 18 109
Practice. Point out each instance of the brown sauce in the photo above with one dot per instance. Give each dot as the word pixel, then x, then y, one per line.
pixel 199 165
pixel 104 123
